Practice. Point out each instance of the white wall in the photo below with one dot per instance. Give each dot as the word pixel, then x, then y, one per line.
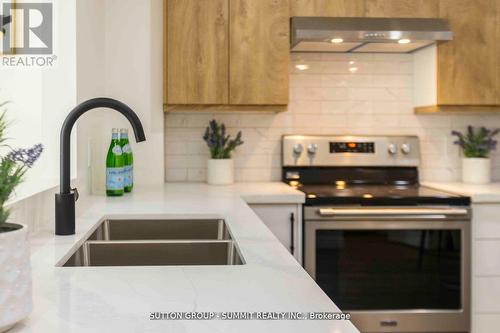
pixel 425 76
pixel 338 94
pixel 119 54
pixel 90 83
pixel 80 55
pixel 133 67
pixel 37 107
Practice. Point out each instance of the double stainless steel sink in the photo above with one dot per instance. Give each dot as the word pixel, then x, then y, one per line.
pixel 160 242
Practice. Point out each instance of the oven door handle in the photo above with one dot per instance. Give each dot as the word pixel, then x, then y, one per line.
pixel 364 212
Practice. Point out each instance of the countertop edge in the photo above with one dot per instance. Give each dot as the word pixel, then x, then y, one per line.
pixel 488 193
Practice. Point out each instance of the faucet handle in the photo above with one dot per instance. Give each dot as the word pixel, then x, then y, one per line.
pixel 77 195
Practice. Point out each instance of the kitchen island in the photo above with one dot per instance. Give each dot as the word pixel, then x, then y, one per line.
pixel 122 299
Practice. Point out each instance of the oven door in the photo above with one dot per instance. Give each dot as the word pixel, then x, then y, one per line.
pixel 394 269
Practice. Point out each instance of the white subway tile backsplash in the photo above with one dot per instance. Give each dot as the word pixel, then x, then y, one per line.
pixel 347 80
pixel 196 174
pixel 374 94
pixel 257 174
pixel 390 67
pixel 195 148
pixel 319 94
pixel 394 81
pixel 400 109
pixel 359 94
pixel 374 121
pixel 173 174
pixel 305 107
pixel 346 67
pixel 301 80
pixel 175 148
pixel 322 120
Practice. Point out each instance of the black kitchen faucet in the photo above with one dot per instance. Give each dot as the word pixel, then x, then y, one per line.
pixel 65 200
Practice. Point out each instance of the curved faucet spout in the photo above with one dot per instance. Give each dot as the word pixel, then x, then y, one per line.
pixel 65 200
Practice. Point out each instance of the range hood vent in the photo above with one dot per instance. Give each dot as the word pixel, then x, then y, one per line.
pixel 366 35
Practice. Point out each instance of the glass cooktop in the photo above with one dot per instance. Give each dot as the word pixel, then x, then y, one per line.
pixel 342 193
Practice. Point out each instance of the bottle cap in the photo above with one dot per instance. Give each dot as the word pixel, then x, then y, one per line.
pixel 124 130
pixel 114 130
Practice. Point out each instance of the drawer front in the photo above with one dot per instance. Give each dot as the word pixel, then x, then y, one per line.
pixel 486 221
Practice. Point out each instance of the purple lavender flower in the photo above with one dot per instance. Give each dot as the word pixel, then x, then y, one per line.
pixel 13 167
pixel 27 157
pixel 476 142
pixel 219 142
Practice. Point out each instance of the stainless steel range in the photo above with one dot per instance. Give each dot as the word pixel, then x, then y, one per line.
pixel 394 254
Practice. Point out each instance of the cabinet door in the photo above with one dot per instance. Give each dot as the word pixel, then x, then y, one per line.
pixel 485 267
pixel 402 8
pixel 197 56
pixel 467 71
pixel 285 223
pixel 259 52
pixel 347 8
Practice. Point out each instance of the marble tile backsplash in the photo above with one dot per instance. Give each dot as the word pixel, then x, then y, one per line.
pixel 337 94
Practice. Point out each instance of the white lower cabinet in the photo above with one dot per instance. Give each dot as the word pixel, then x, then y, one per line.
pixel 485 268
pixel 285 221
pixel 486 323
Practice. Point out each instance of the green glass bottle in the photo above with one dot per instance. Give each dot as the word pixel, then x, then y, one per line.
pixel 114 166
pixel 128 161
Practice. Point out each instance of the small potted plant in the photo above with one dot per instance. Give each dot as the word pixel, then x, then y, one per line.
pixel 476 146
pixel 220 168
pixel 15 270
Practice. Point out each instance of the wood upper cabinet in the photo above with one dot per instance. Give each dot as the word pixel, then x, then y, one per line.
pixel 402 8
pixel 259 52
pixel 197 60
pixel 369 8
pixel 227 52
pixel 350 8
pixel 236 52
pixel 468 66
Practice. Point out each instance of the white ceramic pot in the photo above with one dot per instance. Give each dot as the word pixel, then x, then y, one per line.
pixel 15 276
pixel 220 172
pixel 476 170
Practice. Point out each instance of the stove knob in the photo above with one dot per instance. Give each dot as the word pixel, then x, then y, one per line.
pixel 392 149
pixel 312 149
pixel 297 149
pixel 406 148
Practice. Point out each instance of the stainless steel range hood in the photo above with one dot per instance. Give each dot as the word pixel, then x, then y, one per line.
pixel 366 35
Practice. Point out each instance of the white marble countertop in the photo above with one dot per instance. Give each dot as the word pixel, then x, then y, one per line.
pixel 488 193
pixel 120 299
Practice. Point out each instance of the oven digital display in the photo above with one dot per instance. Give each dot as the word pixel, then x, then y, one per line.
pixel 352 147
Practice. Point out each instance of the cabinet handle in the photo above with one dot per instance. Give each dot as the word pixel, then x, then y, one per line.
pixel 292 233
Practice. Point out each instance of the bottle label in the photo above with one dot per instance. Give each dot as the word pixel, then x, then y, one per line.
pixel 128 175
pixel 114 179
pixel 126 149
pixel 117 150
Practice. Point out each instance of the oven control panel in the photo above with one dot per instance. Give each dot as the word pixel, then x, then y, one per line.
pixel 352 147
pixel 310 150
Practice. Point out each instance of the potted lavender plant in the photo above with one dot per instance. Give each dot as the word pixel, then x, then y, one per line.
pixel 220 168
pixel 15 270
pixel 476 146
